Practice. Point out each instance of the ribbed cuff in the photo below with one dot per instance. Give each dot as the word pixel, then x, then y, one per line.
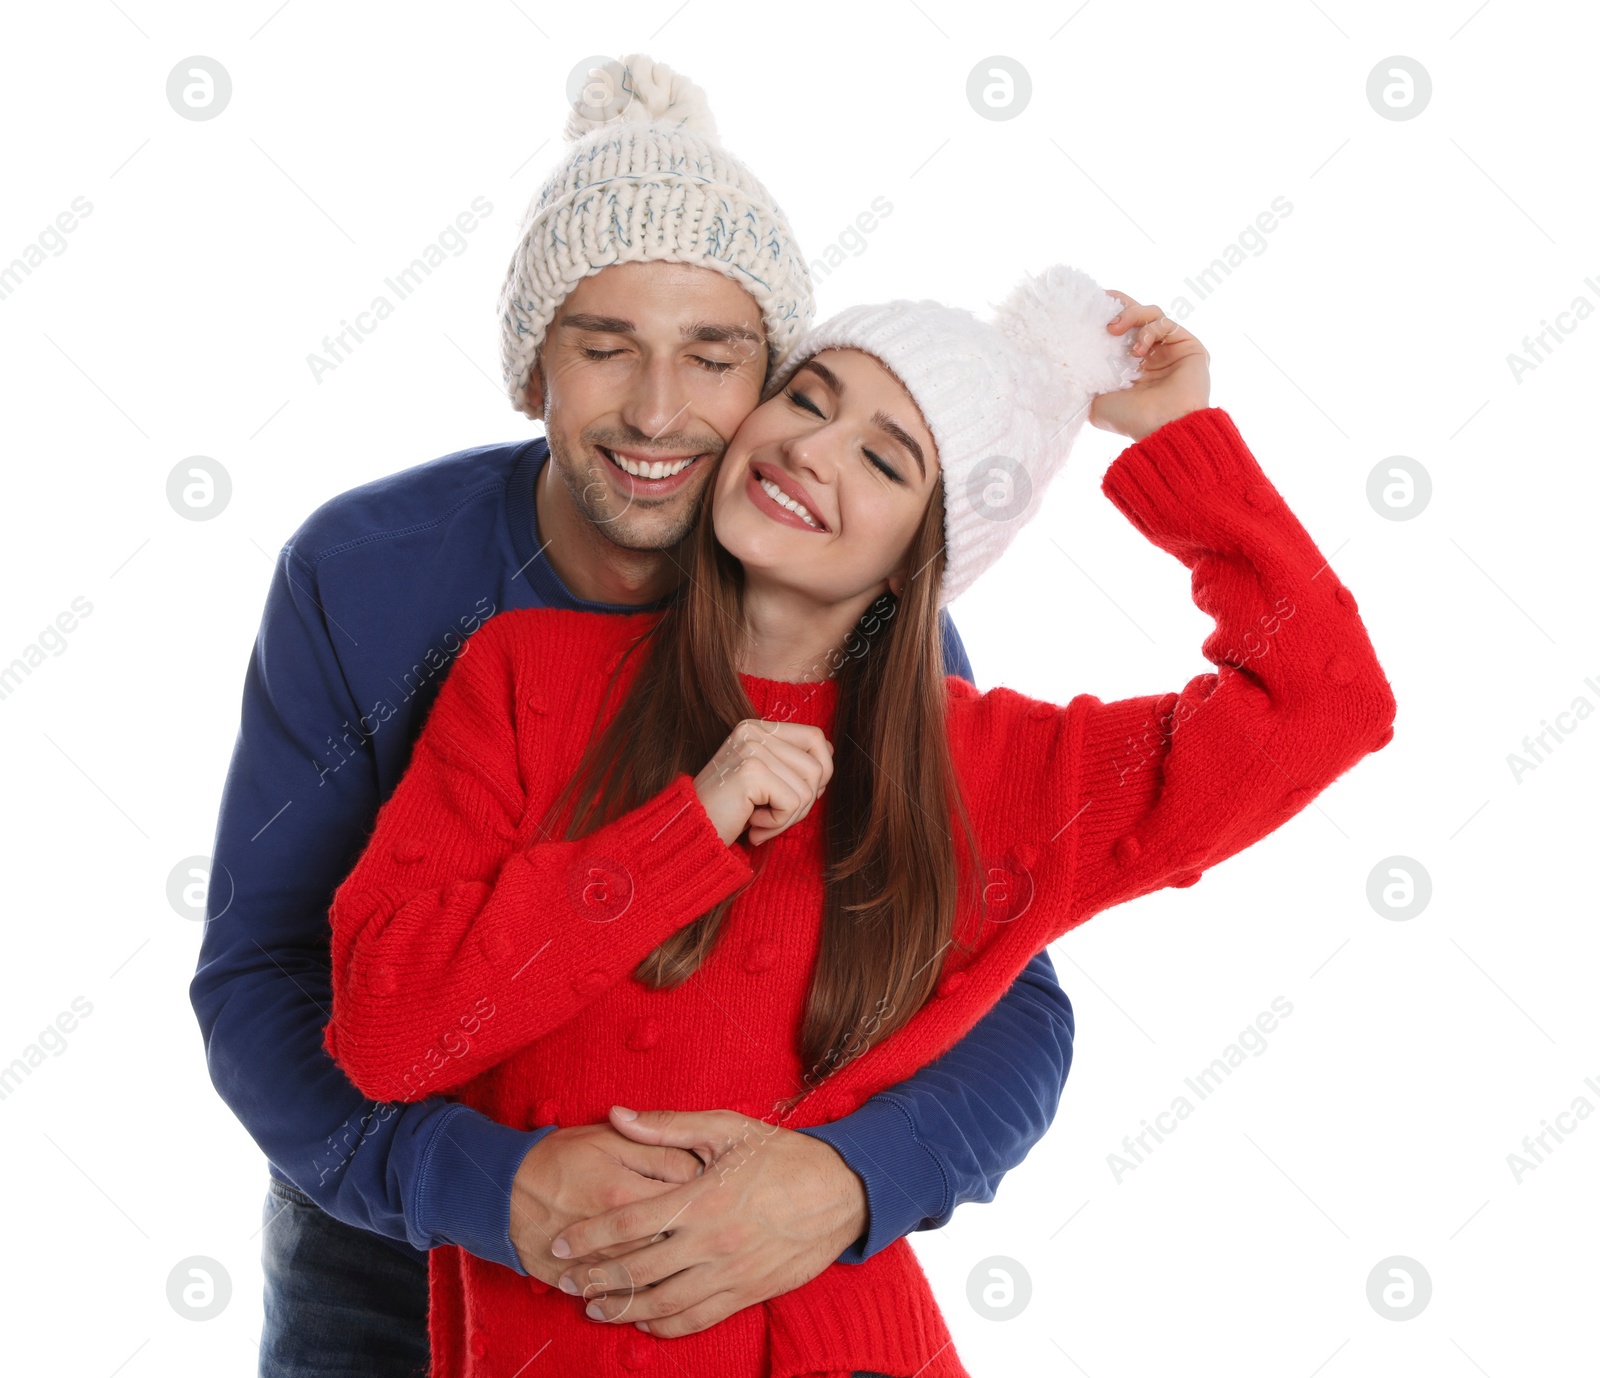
pixel 904 1181
pixel 463 1193
pixel 1190 456
pixel 1193 485
pixel 671 838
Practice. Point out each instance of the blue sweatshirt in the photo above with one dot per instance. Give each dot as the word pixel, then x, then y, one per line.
pixel 370 601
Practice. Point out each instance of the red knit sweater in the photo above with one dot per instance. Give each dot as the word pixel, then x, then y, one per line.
pixel 471 957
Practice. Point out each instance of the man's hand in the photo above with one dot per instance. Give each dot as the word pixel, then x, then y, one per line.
pixel 1174 377
pixel 773 1209
pixel 577 1172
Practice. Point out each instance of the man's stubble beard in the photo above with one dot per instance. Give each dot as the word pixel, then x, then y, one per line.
pixel 594 498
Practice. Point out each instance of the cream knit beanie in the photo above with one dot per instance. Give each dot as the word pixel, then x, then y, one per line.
pixel 1003 399
pixel 645 178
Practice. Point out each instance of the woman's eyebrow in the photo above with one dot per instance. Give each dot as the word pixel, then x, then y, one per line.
pixel 886 423
pixel 827 375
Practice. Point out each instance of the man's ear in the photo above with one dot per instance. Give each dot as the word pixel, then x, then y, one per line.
pixel 533 390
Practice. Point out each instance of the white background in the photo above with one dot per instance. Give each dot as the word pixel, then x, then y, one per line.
pixel 1377 322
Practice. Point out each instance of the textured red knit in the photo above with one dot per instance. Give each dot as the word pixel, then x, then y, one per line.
pixel 475 958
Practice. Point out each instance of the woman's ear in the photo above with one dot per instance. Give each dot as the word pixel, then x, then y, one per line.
pixel 897 583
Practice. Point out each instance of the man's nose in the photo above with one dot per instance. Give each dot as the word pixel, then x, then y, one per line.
pixel 656 401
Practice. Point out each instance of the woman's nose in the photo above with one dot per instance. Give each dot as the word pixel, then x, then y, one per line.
pixel 813 454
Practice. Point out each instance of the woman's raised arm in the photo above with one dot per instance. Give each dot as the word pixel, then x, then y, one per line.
pixel 1163 786
pixel 455 942
pixel 1090 804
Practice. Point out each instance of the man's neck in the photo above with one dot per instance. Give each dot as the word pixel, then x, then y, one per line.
pixel 594 569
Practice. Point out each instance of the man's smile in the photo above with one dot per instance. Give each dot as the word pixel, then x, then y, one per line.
pixel 646 474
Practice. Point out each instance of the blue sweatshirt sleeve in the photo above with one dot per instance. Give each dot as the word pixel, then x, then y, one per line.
pixel 294 815
pixel 951 1132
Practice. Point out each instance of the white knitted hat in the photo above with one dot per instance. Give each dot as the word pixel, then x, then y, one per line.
pixel 1004 399
pixel 645 179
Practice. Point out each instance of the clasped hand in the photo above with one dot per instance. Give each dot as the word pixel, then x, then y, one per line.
pixel 674 1220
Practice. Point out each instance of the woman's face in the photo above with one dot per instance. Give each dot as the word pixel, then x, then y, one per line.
pixel 845 441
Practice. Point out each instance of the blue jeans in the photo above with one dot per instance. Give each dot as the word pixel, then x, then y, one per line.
pixel 339 1302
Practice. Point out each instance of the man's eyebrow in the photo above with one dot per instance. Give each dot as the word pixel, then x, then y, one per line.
pixel 712 333
pixel 881 419
pixel 708 332
pixel 886 423
pixel 587 320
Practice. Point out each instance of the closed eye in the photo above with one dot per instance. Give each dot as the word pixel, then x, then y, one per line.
pixel 801 400
pixel 882 467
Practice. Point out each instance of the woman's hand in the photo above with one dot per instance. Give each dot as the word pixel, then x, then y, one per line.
pixel 1175 376
pixel 766 775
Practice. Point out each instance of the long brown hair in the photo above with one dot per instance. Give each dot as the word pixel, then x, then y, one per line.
pixel 892 872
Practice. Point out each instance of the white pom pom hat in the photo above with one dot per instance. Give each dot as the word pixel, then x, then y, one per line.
pixel 646 179
pixel 1003 399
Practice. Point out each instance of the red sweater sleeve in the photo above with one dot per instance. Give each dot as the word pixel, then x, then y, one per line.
pixel 455 942
pixel 1162 786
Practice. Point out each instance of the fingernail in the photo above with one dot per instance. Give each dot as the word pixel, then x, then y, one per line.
pixel 642 1326
pixel 568 1286
pixel 593 1311
pixel 623 1113
pixel 560 1248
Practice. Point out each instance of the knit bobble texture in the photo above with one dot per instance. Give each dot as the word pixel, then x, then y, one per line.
pixel 645 179
pixel 638 90
pixel 1057 322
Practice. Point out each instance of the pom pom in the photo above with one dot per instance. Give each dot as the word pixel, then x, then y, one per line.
pixel 638 90
pixel 1056 321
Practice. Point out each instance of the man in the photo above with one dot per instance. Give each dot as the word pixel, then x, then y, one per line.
pixel 655 284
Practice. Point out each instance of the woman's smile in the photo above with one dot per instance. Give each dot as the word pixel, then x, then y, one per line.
pixel 782 498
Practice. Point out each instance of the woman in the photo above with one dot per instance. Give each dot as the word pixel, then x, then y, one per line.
pixel 756 850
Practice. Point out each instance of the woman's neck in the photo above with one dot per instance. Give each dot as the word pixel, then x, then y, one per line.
pixel 790 636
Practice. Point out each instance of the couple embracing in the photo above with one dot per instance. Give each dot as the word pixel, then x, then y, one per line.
pixel 710 822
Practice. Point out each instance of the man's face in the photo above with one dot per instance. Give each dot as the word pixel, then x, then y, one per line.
pixel 648 367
